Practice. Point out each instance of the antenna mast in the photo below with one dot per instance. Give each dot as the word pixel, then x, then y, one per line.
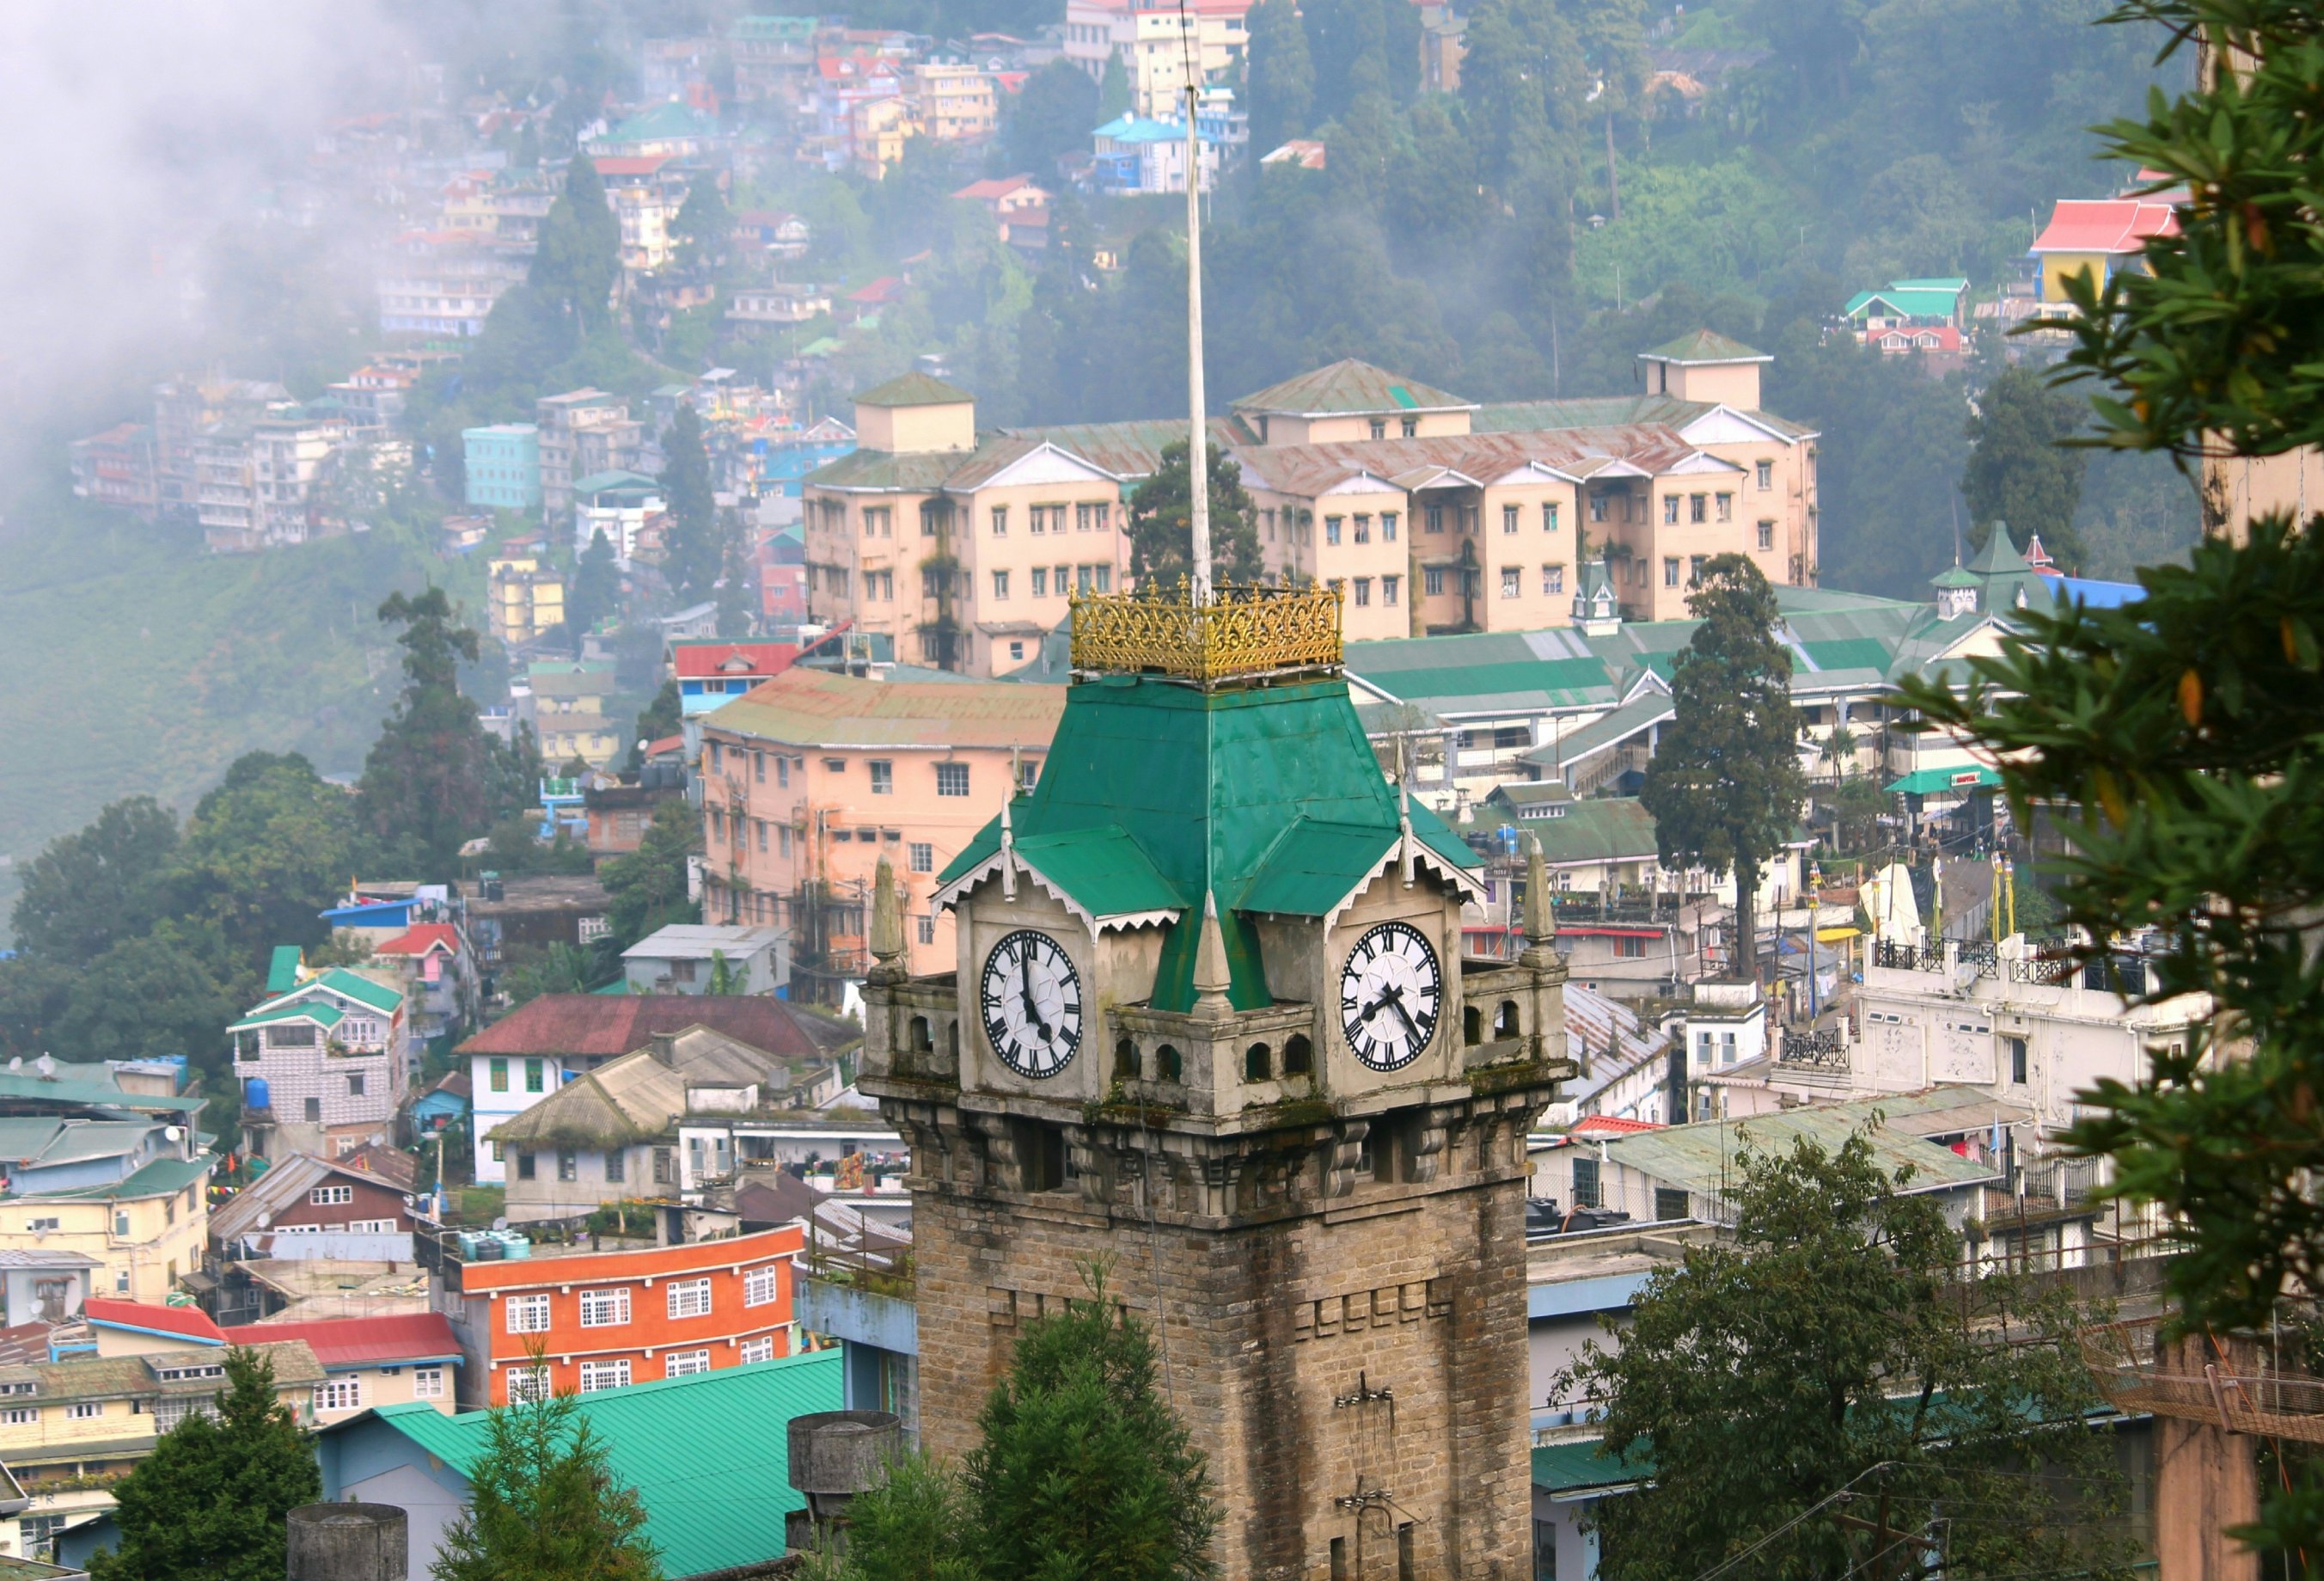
pixel 1198 452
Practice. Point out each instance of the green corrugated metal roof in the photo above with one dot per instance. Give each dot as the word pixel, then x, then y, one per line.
pixel 282 969
pixel 162 1177
pixel 1701 1157
pixel 1206 786
pixel 1602 828
pixel 1103 870
pixel 1704 345
pixel 1925 781
pixel 27 1084
pixel 1306 873
pixel 1906 302
pixel 322 1016
pixel 921 472
pixel 362 989
pixel 1561 1468
pixel 1849 654
pixel 707 1455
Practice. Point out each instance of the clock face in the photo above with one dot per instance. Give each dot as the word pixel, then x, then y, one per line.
pixel 1391 993
pixel 1031 999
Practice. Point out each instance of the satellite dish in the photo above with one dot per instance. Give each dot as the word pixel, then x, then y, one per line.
pixel 175 1133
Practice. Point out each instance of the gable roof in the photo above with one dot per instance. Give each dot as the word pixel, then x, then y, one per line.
pixel 423 938
pixel 176 1322
pixel 2105 225
pixel 706 1510
pixel 638 1096
pixel 1703 346
pixel 340 1343
pixel 588 1024
pixel 703 660
pixel 1350 386
pixel 251 1209
pixel 1903 302
pixel 912 389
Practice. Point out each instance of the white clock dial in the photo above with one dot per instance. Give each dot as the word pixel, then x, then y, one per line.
pixel 1031 998
pixel 1391 993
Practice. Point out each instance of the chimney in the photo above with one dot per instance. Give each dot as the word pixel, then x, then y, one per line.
pixel 665 1048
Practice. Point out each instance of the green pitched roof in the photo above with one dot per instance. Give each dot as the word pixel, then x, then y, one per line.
pixel 1349 386
pixel 1907 302
pixel 282 969
pixel 1561 1468
pixel 2000 556
pixel 362 989
pixel 1604 828
pixel 706 1510
pixel 913 389
pixel 1703 346
pixel 322 1016
pixel 1271 795
pixel 162 1177
pixel 919 472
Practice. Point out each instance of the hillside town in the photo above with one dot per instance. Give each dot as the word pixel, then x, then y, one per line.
pixel 1533 964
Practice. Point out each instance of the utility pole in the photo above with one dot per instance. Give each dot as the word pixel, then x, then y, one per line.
pixel 1198 449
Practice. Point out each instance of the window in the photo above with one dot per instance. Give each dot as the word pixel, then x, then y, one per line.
pixel 761 1285
pixel 314 1111
pixel 1670 571
pixel 339 1394
pixel 524 1168
pixel 1363 529
pixel 355 1084
pixel 665 1169
pixel 1104 577
pixel 1000 584
pixel 760 824
pixel 1767 535
pixel 1094 518
pixel 1000 520
pixel 1410 427
pixel 81 1410
pixel 499 1153
pixel 883 777
pixel 1040 581
pixel 1508 518
pixel 596 1375
pixel 606 1308
pixel 782 770
pixel 331 1196
pixel 1364 591
pixel 685 1363
pixel 1726 504
pixel 427 1382
pixel 952 779
pixel 1331 525
pixel 1549 516
pixel 1696 507
pixel 1694 564
pixel 527 1314
pixel 1670 509
pixel 1388 587
pixel 689 1297
pixel 925 928
pixel 2016 1060
pixel 1766 476
pixel 1598 507
pixel 1585 1182
pixel 762 1349
pixel 1432 580
pixel 834 765
pixel 1629 949
pixel 1670 1203
pixel 498 1078
pixel 1388 526
pixel 1552 579
pixel 527 1384
pixel 759 767
pixel 535 1078
pixel 1512 581
pixel 879 522
pixel 20 1415
pixel 568 1164
pixel 920 856
pixel 1434 518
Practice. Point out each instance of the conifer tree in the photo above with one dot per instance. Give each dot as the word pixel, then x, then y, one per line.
pixel 692 554
pixel 434 778
pixel 578 257
pixel 596 589
pixel 543 1505
pixel 1161 522
pixel 211 1502
pixel 2019 470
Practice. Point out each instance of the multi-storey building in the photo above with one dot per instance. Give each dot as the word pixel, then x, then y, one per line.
pixel 185 411
pixel 116 469
pixel 291 451
pixel 523 597
pixel 502 464
pixel 567 705
pixel 224 492
pixel 773 56
pixel 1429 513
pixel 645 192
pixel 581 1321
pixel 811 779
pixel 958 103
pixel 557 427
pixel 324 1060
pixel 1152 41
pixel 443 284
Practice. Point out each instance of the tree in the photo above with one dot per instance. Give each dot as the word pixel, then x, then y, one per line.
pixel 704 228
pixel 663 718
pixel 1083 1470
pixel 648 886
pixel 1161 522
pixel 89 890
pixel 2019 470
pixel 1725 786
pixel 267 850
pixel 213 1498
pixel 578 258
pixel 543 1505
pixel 1050 115
pixel 427 782
pixel 915 1526
pixel 1282 74
pixel 737 592
pixel 596 589
pixel 1823 1387
pixel 692 556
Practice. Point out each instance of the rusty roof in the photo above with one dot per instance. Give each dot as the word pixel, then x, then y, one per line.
pixel 815 708
pixel 1350 387
pixel 1310 469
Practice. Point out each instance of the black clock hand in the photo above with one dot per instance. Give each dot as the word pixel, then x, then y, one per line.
pixel 1025 983
pixel 1395 1003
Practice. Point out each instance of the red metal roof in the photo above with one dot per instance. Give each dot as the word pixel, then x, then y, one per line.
pixel 362 1341
pixel 1610 1125
pixel 886 289
pixel 190 1322
pixel 620 1023
pixel 663 744
pixel 421 938
pixel 2105 225
pixel 627 165
pixel 710 660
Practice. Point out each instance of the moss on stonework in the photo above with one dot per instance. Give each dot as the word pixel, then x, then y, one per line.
pixel 1293 1111
pixel 1490 1080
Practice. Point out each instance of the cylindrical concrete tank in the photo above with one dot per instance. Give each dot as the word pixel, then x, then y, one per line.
pixel 835 1454
pixel 348 1542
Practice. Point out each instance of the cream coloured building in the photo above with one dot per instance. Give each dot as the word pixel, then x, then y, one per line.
pixel 1153 41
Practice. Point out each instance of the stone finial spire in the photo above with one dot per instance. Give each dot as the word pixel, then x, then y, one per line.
pixel 1213 975
pixel 886 919
pixel 1403 828
pixel 1540 912
pixel 1007 853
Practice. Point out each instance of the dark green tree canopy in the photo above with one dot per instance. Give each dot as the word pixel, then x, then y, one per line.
pixel 1282 75
pixel 694 553
pixel 649 886
pixel 1726 785
pixel 434 779
pixel 267 848
pixel 1050 115
pixel 1161 522
pixel 2019 471
pixel 212 1500
pixel 543 1505
pixel 578 260
pixel 110 881
pixel 597 593
pixel 704 228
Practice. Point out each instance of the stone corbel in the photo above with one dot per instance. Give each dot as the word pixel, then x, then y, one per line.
pixel 1341 1171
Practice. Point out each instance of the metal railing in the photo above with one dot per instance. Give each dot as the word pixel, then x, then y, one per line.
pixel 1824 1051
pixel 2049 970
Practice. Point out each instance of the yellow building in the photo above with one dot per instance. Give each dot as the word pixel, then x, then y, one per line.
pixel 522 598
pixel 958 103
pixel 2097 237
pixel 567 709
pixel 395 1359
pixel 878 128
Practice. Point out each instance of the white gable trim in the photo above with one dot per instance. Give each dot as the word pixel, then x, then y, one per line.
pixel 1362 482
pixel 1045 462
pixel 950 896
pixel 1617 467
pixel 1421 856
pixel 1533 472
pixel 1730 425
pixel 1702 462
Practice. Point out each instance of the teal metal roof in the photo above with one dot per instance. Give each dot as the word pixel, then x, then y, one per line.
pixel 162 1177
pixel 27 1084
pixel 282 969
pixel 362 989
pixel 1927 781
pixel 1566 1468
pixel 707 1455
pixel 322 1016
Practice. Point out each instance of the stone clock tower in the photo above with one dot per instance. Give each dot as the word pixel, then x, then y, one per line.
pixel 1211 1024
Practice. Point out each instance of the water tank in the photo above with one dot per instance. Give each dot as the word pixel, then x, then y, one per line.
pixel 254 1094
pixel 347 1542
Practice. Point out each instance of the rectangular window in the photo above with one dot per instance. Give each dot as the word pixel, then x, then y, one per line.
pixel 952 779
pixel 1331 525
pixel 1694 564
pixel 761 1285
pixel 1409 427
pixel 1553 580
pixel 331 1196
pixel 1091 518
pixel 1000 520
pixel 536 1077
pixel 1379 428
pixel 925 928
pixel 616 1167
pixel 1697 507
pixel 339 1394
pixel 1508 518
pixel 1104 577
pixel 20 1415
pixel 1389 587
pixel 1000 584
pixel 759 766
pixel 1767 535
pixel 1388 526
pixel 596 1375
pixel 1585 1182
pixel 499 1154
pixel 1549 516
pixel 665 1169
pixel 1766 476
pixel 1040 581
pixel 1512 581
pixel 314 1111
pixel 427 1382
pixel 524 1166
pixel 1432 580
pixel 760 824
pixel 1670 509
pixel 689 1298
pixel 762 1349
pixel 782 770
pixel 527 1314
pixel 498 1078
pixel 568 1164
pixel 2016 1060
pixel 920 856
pixel 1670 571
pixel 355 1084
pixel 685 1363
pixel 606 1308
pixel 81 1410
pixel 527 1384
pixel 1364 591
pixel 1726 507
pixel 883 777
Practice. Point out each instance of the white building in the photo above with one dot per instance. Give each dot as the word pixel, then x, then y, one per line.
pixel 1151 40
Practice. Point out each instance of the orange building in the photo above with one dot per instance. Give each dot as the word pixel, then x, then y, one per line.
pixel 602 1319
